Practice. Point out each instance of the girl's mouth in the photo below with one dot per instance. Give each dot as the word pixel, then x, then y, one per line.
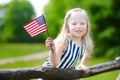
pixel 78 31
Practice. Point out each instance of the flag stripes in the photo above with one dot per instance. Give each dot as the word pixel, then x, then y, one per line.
pixel 36 26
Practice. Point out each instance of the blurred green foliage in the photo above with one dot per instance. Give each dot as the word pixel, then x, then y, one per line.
pixel 104 17
pixel 103 14
pixel 15 15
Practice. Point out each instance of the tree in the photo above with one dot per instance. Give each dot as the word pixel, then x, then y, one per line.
pixel 2 14
pixel 106 30
pixel 17 14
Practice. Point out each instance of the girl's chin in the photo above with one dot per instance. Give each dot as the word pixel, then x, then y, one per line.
pixel 78 35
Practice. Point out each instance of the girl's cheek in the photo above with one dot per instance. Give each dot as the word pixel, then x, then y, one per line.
pixel 71 30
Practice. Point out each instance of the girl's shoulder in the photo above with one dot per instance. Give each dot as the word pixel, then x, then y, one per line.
pixel 61 44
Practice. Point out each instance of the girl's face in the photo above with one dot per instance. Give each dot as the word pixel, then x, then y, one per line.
pixel 77 24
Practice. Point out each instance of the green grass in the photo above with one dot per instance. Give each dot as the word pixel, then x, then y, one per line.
pixel 23 64
pixel 104 76
pixel 20 49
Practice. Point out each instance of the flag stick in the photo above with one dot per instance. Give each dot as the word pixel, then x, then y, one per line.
pixel 49 36
pixel 47 27
pixel 48 33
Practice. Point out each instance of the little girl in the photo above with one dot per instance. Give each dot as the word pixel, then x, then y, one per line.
pixel 72 44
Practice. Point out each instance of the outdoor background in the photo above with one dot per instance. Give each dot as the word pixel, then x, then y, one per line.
pixel 15 42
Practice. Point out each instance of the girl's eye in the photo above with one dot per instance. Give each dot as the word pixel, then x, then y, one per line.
pixel 73 23
pixel 82 23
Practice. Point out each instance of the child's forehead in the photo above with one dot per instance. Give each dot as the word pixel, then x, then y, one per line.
pixel 77 15
pixel 77 21
pixel 77 18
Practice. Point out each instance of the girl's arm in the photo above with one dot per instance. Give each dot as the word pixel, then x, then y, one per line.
pixel 54 53
pixel 84 61
pixel 54 57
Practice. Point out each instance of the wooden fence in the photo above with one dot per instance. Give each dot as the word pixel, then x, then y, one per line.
pixel 57 74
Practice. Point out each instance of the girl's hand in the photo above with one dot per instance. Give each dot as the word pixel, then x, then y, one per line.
pixel 49 43
pixel 84 67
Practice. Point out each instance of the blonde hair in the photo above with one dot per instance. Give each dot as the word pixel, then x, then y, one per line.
pixel 61 40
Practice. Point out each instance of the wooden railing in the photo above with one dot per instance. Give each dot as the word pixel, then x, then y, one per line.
pixel 57 74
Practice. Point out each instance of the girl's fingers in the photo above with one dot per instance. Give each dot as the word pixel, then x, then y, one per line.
pixel 85 68
pixel 49 43
pixel 49 38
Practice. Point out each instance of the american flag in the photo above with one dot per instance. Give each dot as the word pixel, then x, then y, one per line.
pixel 36 26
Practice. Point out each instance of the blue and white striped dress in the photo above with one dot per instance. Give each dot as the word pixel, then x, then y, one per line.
pixel 70 57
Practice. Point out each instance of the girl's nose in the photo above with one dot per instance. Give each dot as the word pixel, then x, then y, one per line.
pixel 78 26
